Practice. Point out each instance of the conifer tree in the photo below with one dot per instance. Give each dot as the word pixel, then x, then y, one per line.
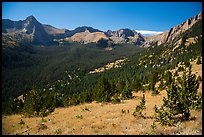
pixel 180 99
pixel 198 61
pixel 139 108
pixel 103 90
pixel 127 92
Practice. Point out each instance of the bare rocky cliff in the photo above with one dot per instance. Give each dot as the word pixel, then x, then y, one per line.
pixel 171 34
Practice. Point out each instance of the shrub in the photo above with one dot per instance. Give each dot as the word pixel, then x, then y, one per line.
pixel 86 109
pixel 153 126
pixel 198 61
pixel 116 100
pixel 79 116
pixel 41 126
pixel 126 93
pixel 139 108
pixel 155 92
pixel 180 68
pixel 43 119
pixel 161 85
pixel 168 78
pixel 176 73
pixel 58 131
pixel 21 122
pixel 187 64
pixel 199 78
pixel 125 111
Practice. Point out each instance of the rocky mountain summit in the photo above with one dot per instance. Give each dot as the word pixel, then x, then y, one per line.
pixel 26 31
pixel 54 31
pixel 171 34
pixel 116 37
pixel 32 31
pixel 126 36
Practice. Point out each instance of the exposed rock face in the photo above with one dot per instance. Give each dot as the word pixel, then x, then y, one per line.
pixel 28 30
pixel 125 36
pixel 31 31
pixel 33 27
pixel 53 31
pixel 10 26
pixel 8 41
pixel 171 34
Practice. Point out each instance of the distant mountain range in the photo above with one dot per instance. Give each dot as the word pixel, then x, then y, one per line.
pixel 30 31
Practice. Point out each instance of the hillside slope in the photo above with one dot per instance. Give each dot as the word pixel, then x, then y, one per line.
pixel 104 119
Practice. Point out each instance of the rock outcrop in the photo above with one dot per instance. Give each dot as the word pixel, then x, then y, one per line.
pixel 54 31
pixel 125 36
pixel 171 34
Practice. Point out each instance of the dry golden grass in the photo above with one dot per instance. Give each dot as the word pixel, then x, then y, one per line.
pixel 99 118
pixel 115 64
pixel 88 37
pixel 103 118
pixel 190 40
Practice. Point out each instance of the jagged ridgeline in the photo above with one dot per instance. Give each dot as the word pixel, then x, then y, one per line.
pixel 30 31
pixel 65 70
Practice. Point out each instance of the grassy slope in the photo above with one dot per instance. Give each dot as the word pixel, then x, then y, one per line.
pixel 105 118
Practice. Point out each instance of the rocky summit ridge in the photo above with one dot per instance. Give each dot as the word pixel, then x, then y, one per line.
pixel 33 32
pixel 172 33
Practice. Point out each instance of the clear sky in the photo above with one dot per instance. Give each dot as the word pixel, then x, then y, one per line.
pixel 154 16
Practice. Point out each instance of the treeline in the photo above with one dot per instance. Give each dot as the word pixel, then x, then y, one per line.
pixel 36 102
pixel 41 102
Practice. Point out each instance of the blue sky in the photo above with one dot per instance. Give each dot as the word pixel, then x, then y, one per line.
pixel 150 16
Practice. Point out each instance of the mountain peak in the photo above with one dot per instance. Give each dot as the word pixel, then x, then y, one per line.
pixel 31 18
pixel 84 28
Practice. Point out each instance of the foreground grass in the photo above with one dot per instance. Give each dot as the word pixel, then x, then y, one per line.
pixel 101 118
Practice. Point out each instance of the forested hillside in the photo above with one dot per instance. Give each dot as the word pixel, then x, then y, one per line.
pixel 64 71
pixel 25 66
